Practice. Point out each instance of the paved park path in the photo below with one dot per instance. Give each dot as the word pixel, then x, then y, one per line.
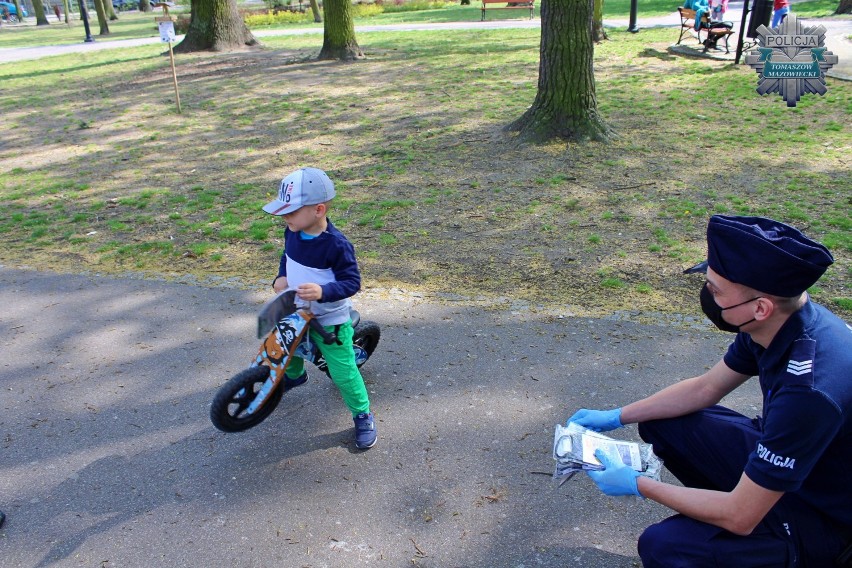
pixel 838 32
pixel 109 459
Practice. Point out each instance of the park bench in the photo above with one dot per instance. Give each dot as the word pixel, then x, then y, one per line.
pixel 492 5
pixel 713 30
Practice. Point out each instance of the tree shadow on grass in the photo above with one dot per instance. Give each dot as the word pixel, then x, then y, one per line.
pixel 651 52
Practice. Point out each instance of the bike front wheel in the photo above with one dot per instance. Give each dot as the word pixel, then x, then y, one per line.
pixel 230 410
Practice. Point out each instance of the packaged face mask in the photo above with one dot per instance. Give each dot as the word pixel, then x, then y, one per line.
pixel 574 450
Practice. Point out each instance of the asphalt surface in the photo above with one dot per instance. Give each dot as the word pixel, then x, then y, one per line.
pixel 109 458
pixel 837 34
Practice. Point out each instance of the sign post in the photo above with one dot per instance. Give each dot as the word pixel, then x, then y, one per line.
pixel 167 35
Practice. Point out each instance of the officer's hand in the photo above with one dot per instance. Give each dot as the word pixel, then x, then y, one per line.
pixel 597 420
pixel 616 479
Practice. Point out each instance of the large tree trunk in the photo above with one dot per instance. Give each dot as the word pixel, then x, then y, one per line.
pixel 38 8
pixel 565 105
pixel 145 6
pixel 845 7
pixel 598 31
pixel 102 17
pixel 338 40
pixel 110 10
pixel 316 11
pixel 215 25
pixel 67 5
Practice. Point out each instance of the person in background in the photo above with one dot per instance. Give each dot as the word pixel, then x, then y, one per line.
pixel 780 10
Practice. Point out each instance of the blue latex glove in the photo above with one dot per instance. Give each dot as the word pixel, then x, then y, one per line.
pixel 597 420
pixel 616 479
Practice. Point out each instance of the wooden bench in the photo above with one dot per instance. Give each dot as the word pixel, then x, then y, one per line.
pixel 507 5
pixel 687 23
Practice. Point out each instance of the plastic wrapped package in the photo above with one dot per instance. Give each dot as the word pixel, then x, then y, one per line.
pixel 574 450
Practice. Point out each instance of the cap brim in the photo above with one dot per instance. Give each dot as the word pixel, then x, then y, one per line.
pixel 278 207
pixel 700 268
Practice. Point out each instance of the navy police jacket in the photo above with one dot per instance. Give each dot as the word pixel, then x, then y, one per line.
pixel 806 379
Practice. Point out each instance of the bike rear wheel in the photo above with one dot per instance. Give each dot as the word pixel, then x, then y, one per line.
pixel 366 337
pixel 364 342
pixel 229 411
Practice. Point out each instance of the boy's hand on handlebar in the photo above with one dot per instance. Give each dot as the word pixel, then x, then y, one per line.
pixel 309 292
pixel 280 284
pixel 597 420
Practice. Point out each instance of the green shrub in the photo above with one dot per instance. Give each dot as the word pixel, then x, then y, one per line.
pixel 366 10
pixel 414 5
pixel 271 18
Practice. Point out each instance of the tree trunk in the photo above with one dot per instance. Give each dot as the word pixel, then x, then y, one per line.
pixel 338 40
pixel 102 18
pixel 38 8
pixel 215 25
pixel 598 31
pixel 145 6
pixel 19 10
pixel 845 7
pixel 67 5
pixel 110 10
pixel 565 105
pixel 316 11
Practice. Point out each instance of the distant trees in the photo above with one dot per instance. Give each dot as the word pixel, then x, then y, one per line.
pixel 19 10
pixel 598 31
pixel 102 17
pixel 316 11
pixel 845 7
pixel 38 8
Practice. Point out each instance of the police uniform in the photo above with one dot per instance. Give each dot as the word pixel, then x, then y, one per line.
pixel 802 443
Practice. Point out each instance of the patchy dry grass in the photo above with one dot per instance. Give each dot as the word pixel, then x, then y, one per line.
pixel 99 173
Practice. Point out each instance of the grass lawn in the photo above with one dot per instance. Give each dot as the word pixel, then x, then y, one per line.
pixel 99 173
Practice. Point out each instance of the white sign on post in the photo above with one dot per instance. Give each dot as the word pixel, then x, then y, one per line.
pixel 167 31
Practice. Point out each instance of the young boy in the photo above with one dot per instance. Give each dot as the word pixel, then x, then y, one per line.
pixel 319 264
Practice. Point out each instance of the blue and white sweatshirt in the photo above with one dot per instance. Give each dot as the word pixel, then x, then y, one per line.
pixel 328 260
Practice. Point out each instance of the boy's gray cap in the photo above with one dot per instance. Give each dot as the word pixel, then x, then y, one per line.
pixel 307 186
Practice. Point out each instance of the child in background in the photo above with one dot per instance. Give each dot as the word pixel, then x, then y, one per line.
pixel 782 8
pixel 718 9
pixel 319 264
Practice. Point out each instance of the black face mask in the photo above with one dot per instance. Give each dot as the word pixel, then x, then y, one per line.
pixel 714 312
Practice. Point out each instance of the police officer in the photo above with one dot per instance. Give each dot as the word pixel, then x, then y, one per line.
pixel 775 490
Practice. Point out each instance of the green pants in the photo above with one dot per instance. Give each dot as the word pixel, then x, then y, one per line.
pixel 341 365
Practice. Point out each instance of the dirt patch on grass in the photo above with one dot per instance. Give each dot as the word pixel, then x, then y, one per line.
pixel 437 199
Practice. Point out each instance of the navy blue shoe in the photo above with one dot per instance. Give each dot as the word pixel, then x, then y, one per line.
pixel 297 382
pixel 365 431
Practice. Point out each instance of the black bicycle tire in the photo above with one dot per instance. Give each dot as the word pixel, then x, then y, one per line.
pixel 248 380
pixel 366 336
